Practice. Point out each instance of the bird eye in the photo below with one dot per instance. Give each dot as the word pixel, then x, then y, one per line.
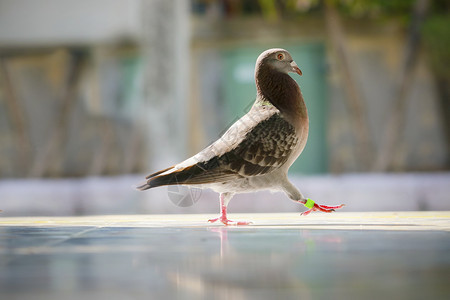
pixel 280 56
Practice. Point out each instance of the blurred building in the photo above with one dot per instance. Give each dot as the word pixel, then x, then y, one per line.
pixel 69 88
pixel 116 87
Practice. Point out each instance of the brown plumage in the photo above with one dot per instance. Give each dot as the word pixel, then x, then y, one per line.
pixel 255 152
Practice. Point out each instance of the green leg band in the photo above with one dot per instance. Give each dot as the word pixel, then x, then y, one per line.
pixel 309 203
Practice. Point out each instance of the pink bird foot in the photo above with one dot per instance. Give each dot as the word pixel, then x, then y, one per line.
pixel 317 207
pixel 224 199
pixel 227 222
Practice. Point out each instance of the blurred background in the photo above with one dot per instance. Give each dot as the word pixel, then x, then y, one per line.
pixel 96 94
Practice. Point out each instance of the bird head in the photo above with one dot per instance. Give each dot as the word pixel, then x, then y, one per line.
pixel 279 60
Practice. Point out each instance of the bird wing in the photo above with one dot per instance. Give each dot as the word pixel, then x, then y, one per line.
pixel 258 143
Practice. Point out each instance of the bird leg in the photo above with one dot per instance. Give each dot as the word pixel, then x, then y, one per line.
pixel 224 200
pixel 297 196
pixel 317 207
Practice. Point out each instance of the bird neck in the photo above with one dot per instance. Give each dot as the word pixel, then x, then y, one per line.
pixel 283 92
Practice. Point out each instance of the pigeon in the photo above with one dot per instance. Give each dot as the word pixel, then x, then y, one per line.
pixel 255 153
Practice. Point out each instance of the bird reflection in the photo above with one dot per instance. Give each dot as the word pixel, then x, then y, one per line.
pixel 222 232
pixel 249 262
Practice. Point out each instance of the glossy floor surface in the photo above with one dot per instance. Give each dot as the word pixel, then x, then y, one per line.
pixel 282 256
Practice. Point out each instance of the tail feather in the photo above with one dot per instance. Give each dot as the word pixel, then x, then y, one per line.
pixel 180 176
pixel 157 173
pixel 143 186
pixel 194 174
pixel 189 173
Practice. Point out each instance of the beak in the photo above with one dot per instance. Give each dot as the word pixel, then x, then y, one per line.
pixel 295 68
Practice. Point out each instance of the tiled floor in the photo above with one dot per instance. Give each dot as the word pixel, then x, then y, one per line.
pixel 282 256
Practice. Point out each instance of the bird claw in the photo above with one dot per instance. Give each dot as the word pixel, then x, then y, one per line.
pixel 322 208
pixel 228 222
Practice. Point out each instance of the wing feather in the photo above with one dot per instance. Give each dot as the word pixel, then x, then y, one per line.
pixel 256 144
